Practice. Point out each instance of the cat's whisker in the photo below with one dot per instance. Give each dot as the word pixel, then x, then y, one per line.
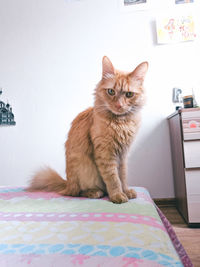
pixel 135 109
pixel 101 108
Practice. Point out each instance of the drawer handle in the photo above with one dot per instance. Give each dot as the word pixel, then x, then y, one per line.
pixel 193 124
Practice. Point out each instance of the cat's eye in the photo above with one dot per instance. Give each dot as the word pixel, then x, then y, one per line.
pixel 129 94
pixel 111 91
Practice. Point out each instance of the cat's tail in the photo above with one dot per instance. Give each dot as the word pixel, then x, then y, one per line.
pixel 49 180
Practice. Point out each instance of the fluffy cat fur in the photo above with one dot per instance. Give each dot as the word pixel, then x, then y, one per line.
pixel 99 139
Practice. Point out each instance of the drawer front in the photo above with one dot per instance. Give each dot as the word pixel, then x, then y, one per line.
pixel 192 154
pixel 191 124
pixel 193 194
pixel 192 178
pixel 193 209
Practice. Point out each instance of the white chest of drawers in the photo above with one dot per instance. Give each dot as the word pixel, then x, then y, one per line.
pixel 185 146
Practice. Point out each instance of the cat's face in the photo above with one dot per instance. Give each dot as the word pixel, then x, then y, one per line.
pixel 118 92
pixel 120 96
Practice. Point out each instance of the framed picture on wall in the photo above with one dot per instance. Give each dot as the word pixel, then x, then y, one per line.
pixel 184 1
pixel 133 5
pixel 175 29
pixel 6 113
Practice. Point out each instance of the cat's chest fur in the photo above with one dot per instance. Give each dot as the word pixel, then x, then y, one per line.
pixel 116 135
pixel 122 132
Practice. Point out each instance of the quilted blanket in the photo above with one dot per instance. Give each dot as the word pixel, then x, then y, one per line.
pixel 46 229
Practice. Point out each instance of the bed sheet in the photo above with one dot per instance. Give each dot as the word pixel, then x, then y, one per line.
pixel 46 229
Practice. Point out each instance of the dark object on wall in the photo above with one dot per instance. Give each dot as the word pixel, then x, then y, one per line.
pixel 6 114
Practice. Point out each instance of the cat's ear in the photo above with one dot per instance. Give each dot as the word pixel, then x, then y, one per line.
pixel 108 70
pixel 139 72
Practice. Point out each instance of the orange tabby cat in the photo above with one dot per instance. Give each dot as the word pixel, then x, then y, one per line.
pixel 99 139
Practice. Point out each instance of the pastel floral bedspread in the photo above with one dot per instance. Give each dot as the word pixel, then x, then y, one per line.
pixel 45 229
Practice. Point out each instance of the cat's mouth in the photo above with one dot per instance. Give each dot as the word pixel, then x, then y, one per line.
pixel 120 112
pixel 117 112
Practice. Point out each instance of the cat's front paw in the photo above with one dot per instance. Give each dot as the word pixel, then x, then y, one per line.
pixel 131 193
pixel 119 198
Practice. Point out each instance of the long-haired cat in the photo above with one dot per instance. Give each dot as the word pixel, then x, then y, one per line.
pixel 99 139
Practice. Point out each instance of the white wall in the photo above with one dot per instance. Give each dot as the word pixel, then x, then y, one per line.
pixel 50 62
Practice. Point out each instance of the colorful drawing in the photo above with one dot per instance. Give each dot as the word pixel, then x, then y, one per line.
pixel 184 1
pixel 175 29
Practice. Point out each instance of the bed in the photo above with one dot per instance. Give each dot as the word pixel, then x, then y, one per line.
pixel 46 229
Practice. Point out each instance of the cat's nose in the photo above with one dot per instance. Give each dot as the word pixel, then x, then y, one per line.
pixel 118 105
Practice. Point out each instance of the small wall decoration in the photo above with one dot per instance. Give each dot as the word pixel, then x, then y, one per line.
pixel 183 1
pixel 6 114
pixel 132 5
pixel 175 29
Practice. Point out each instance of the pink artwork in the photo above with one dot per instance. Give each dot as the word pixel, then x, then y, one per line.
pixel 175 29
